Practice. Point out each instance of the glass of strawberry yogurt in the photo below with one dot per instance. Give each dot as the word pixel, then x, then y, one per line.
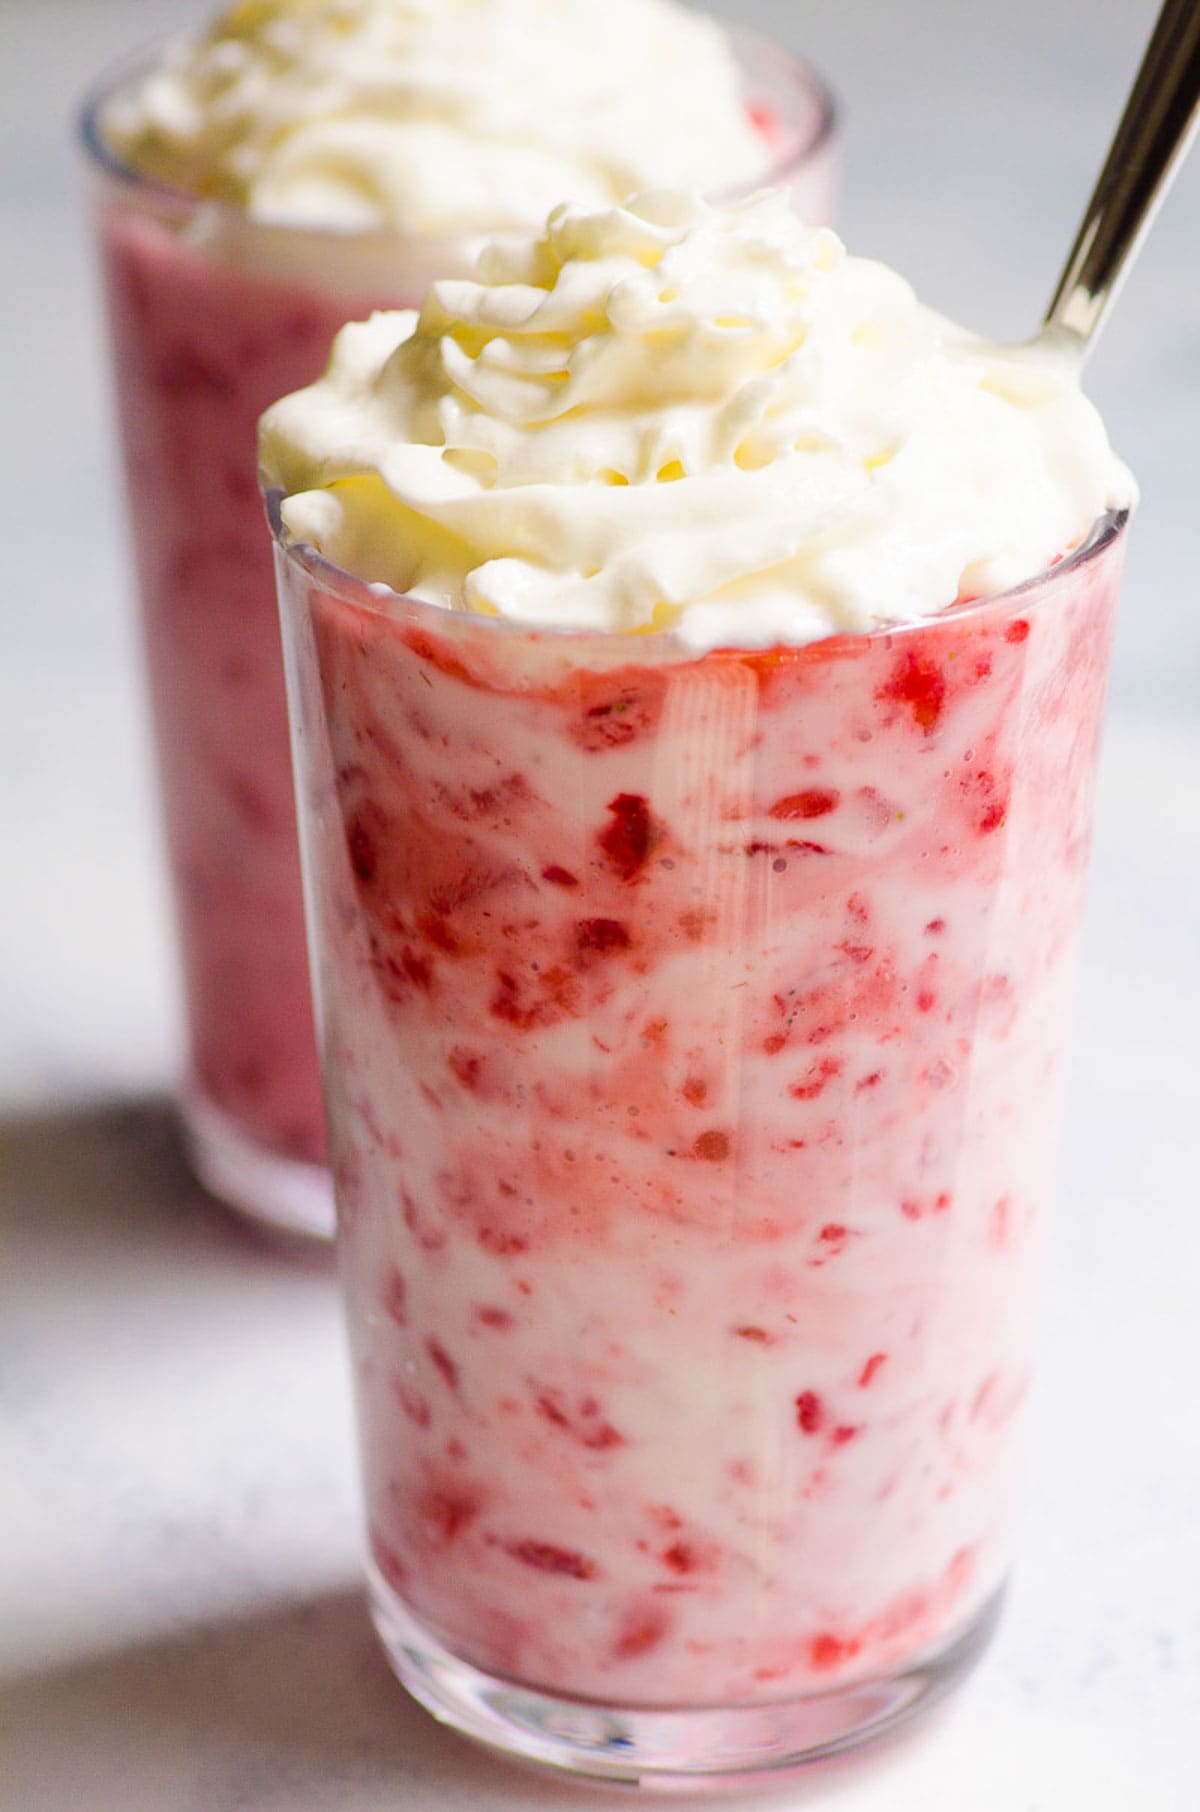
pixel 252 192
pixel 695 798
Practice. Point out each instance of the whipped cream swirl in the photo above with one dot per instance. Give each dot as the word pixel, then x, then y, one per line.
pixel 675 416
pixel 440 115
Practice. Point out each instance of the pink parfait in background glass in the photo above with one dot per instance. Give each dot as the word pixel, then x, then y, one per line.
pixel 693 1031
pixel 213 316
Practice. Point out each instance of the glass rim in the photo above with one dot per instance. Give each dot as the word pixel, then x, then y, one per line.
pixel 376 598
pixel 797 153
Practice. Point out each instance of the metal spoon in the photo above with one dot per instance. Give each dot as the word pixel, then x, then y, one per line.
pixel 1156 128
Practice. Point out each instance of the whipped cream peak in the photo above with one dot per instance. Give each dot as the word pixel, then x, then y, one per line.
pixel 440 116
pixel 678 416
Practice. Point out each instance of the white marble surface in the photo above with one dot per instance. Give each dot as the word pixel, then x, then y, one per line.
pixel 180 1629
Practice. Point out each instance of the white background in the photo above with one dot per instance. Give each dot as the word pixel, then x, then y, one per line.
pixel 180 1629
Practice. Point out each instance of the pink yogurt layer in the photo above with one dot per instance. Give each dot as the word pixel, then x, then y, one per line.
pixel 200 350
pixel 695 1036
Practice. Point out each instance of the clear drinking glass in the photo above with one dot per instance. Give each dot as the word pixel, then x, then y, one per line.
pixel 693 1033
pixel 213 316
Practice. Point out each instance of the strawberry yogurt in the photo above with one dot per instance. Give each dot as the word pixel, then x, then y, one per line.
pixel 239 229
pixel 695 886
pixel 695 1043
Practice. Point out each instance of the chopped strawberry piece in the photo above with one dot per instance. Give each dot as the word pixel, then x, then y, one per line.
pixel 548 1557
pixel 919 683
pixel 599 937
pixel 809 1411
pixel 814 802
pixel 441 1358
pixel 395 1297
pixel 640 1633
pixel 628 839
pixel 363 858
pixel 827 1651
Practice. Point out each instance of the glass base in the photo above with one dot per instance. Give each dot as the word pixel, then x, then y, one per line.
pixel 667 1749
pixel 285 1194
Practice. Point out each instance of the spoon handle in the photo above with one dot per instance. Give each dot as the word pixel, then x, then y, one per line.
pixel 1159 118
